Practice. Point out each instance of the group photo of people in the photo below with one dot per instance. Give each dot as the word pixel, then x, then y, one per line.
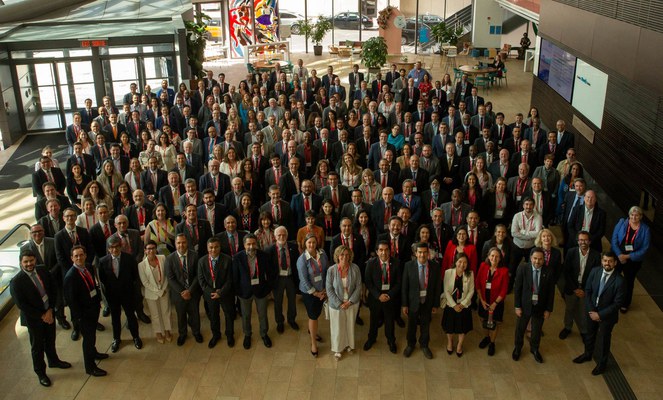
pixel 402 201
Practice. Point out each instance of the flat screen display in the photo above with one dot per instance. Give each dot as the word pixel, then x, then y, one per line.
pixel 557 69
pixel 589 91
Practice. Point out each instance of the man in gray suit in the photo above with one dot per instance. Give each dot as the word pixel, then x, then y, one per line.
pixel 399 85
pixel 181 271
pixel 44 250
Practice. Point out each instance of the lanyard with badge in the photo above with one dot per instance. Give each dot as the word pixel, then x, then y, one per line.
pixel 386 278
pixel 89 283
pixel 315 266
pixel 422 293
pixel 256 280
pixel 628 244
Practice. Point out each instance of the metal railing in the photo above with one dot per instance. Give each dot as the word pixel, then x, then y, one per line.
pixel 10 246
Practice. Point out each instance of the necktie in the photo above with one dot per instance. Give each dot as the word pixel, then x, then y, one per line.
pixel 49 175
pixel 472 236
pixel 334 197
pixel 40 287
pixel 384 269
pixel 384 180
pixel 604 279
pixel 284 259
pixel 307 204
pixel 231 238
pixel 186 272
pixel 394 244
pixel 116 267
pixel 277 214
pixel 535 283
pixel 72 235
pixel 422 282
pixel 107 231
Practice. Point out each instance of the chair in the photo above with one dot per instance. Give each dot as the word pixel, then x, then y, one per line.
pixel 482 81
pixel 333 50
pixel 458 75
pixel 486 53
pixel 499 78
pixel 451 59
pixel 475 53
pixel 492 76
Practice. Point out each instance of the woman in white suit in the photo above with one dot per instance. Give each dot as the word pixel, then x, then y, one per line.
pixel 458 292
pixel 343 291
pixel 155 283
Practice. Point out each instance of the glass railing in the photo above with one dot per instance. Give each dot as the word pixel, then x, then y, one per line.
pixel 10 246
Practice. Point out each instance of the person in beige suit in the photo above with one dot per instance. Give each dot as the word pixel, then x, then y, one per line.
pixel 155 283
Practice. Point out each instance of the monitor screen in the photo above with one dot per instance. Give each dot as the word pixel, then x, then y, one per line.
pixel 591 85
pixel 557 69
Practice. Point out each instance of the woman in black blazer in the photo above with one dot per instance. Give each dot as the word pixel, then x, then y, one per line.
pixel 498 207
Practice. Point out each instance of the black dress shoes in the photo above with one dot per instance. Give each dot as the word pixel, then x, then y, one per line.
pixel 392 348
pixel 247 342
pixel 59 364
pixel 293 325
pixel 213 341
pixel 138 343
pixel 64 324
pixel 491 349
pixel 44 380
pixel 427 353
pixel 143 318
pixel 280 328
pixel 408 351
pixel 97 372
pixel 180 340
pixel 484 342
pixel 230 340
pixel 198 337
pixel 368 345
pixel 115 345
pixel 100 327
pixel 598 370
pixel 100 356
pixel 564 333
pixel 537 357
pixel 515 355
pixel 359 321
pixel 267 341
pixel 584 357
pixel 75 335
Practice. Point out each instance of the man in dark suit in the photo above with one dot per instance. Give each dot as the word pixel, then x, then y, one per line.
pixel 52 220
pixel 463 89
pixel 604 295
pixel 230 239
pixel 449 167
pixel 383 283
pixel 47 173
pixel 88 113
pixel 113 130
pixel 181 271
pixel 432 198
pixel 376 85
pixel 34 292
pixel 421 289
pixel 477 234
pixel 410 200
pixel 83 296
pixel 215 278
pixel 44 251
pixel 578 263
pixel 590 218
pixel 196 231
pixel 86 161
pixel 280 211
pixel 304 201
pixel 283 255
pixel 253 279
pixel 335 192
pixel 328 78
pixel 534 296
pixel 170 196
pixel 153 179
pixel 212 212
pixel 67 238
pixel 355 78
pixel 215 180
pixel 386 177
pixel 544 205
pixel 473 101
pixel 118 272
pixel 384 209
pixel 565 140
pixel 410 96
pixel 377 150
pixel 419 176
pixel 440 232
pixel 290 182
pixel 351 209
pixel 101 230
pixel 140 213
pixel 399 244
pixel 572 200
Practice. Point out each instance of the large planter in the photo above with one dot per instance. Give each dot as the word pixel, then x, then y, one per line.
pixel 317 50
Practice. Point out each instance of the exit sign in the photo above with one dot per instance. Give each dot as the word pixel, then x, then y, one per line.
pixel 94 43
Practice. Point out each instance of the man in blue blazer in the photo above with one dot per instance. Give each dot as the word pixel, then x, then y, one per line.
pixel 299 202
pixel 409 200
pixel 253 280
pixel 604 295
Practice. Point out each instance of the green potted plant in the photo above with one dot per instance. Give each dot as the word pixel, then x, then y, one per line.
pixel 316 32
pixel 442 33
pixel 196 40
pixel 374 53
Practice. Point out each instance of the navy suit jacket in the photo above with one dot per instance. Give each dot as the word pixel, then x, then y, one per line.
pixel 242 279
pixel 297 207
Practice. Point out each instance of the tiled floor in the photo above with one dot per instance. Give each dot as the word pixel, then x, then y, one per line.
pixel 287 370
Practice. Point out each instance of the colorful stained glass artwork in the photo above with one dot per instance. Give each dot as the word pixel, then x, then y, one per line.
pixel 241 26
pixel 267 21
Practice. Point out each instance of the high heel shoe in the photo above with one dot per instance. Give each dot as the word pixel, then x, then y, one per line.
pixel 459 353
pixel 314 353
pixel 450 352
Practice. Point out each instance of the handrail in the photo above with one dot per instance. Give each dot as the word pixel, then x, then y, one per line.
pixel 12 231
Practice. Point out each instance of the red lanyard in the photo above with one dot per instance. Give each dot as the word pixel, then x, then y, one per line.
pixel 547 254
pixel 315 265
pixel 328 223
pixel 256 267
pixel 531 222
pixel 500 201
pixel 426 279
pixel 159 268
pixel 141 216
pixel 87 278
pixel 211 270
pixel 632 239
pixel 287 255
pixel 164 229
pixel 520 188
pixel 191 231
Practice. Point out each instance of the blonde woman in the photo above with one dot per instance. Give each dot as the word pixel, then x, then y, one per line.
pixel 153 277
pixel 371 190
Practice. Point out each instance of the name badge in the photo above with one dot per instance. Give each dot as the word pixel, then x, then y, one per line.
pixel 499 141
pixel 195 247
pixel 386 226
pixel 410 101
pixel 422 293
pixel 141 228
pixel 317 278
pixel 79 197
pixel 308 164
pixel 466 141
pixel 535 297
pixel 328 238
pixel 385 286
pixel 499 213
pixel 518 198
pixel 628 247
pixel 414 189
pixel 255 281
pixel 488 285
pixel 283 272
pixel 44 298
pixel 416 80
pixel 93 293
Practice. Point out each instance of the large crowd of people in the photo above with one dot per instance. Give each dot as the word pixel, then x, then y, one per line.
pixel 406 195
